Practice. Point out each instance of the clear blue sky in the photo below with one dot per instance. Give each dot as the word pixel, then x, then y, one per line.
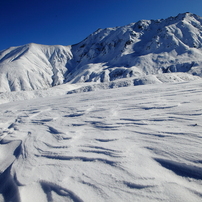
pixel 67 22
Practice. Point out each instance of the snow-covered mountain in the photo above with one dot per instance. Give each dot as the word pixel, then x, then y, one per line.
pixel 135 50
pixel 145 47
pixel 33 66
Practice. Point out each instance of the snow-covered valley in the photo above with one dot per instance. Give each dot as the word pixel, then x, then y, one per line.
pixel 138 143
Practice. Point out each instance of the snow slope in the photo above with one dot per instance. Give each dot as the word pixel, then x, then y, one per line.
pixel 147 47
pixel 137 49
pixel 32 67
pixel 85 87
pixel 138 143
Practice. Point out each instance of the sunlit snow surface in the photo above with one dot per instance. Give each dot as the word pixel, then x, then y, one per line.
pixel 140 143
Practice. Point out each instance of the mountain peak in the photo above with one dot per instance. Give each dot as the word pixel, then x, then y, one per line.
pixel 181 16
pixel 188 16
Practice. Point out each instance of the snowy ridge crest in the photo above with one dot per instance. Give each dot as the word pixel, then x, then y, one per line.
pixel 147 47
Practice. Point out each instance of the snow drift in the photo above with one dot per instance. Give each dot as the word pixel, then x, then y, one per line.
pixel 129 144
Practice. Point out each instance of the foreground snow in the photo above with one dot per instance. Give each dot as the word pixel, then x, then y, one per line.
pixel 138 143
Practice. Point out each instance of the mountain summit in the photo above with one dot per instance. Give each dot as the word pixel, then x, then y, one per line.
pixel 138 49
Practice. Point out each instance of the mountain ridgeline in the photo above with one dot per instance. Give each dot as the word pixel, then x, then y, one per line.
pixel 147 47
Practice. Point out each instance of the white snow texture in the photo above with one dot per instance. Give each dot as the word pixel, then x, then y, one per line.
pixel 122 142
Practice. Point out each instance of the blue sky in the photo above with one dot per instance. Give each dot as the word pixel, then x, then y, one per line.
pixel 67 22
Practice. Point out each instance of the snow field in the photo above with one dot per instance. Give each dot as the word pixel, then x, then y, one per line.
pixel 85 87
pixel 138 143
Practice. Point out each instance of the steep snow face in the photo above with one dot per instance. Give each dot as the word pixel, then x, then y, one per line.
pixel 135 50
pixel 32 67
pixel 145 47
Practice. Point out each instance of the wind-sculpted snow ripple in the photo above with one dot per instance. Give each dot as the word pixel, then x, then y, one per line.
pixel 48 187
pixel 80 158
pixel 182 169
pixel 130 144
